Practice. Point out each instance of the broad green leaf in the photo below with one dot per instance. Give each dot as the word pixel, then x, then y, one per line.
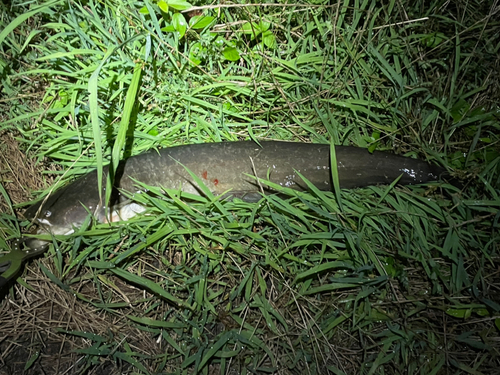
pixel 269 39
pixel 179 4
pixel 179 23
pixel 163 5
pixel 195 53
pixel 168 29
pixel 231 54
pixel 200 22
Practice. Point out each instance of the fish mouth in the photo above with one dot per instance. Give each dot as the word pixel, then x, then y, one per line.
pixel 35 244
pixel 30 246
pixel 45 227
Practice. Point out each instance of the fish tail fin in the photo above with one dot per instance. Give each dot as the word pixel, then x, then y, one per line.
pixel 443 174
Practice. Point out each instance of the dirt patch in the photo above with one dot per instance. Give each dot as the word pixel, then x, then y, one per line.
pixel 38 325
pixel 19 176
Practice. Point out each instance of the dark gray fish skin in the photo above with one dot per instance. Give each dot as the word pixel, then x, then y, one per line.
pixel 222 167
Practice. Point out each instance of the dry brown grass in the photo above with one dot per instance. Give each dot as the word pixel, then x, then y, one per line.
pixel 18 175
pixel 32 321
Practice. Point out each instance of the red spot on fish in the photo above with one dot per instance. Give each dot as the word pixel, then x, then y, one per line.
pixel 216 182
pixel 204 174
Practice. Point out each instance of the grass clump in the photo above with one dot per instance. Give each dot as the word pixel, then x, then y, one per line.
pixel 376 280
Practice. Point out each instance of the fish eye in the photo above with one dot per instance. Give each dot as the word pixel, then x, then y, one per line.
pixel 47 213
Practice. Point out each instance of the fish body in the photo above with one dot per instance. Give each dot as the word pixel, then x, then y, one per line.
pixel 227 167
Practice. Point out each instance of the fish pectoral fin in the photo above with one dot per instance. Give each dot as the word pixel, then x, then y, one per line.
pixel 125 212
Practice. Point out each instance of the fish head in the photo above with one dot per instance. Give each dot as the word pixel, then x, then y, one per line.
pixel 65 209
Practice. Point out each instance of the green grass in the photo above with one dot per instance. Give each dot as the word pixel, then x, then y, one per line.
pixel 380 280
